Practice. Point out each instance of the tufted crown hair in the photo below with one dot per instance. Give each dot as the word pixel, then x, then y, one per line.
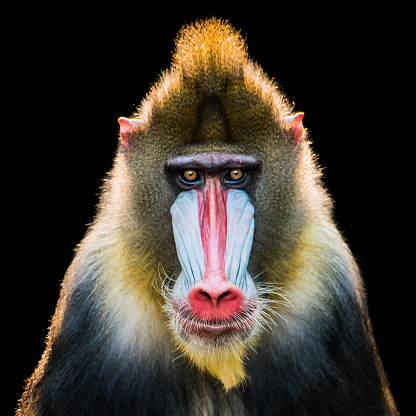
pixel 210 50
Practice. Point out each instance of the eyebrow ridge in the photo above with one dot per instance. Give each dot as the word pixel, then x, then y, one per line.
pixel 212 160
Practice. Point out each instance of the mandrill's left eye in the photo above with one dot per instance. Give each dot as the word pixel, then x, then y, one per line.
pixel 234 176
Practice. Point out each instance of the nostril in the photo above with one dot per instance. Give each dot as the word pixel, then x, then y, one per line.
pixel 224 295
pixel 205 295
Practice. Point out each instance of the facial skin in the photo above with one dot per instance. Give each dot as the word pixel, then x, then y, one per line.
pixel 220 218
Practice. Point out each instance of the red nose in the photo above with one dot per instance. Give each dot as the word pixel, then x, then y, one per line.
pixel 215 300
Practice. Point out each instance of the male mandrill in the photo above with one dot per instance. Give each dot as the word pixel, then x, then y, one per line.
pixel 213 280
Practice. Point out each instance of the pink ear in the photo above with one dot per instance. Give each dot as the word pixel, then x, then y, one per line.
pixel 127 127
pixel 294 125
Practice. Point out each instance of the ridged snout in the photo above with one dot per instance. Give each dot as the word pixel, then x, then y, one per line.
pixel 214 279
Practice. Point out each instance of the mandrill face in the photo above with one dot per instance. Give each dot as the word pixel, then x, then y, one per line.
pixel 213 305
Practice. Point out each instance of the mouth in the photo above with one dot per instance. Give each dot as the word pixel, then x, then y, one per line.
pixel 189 325
pixel 212 329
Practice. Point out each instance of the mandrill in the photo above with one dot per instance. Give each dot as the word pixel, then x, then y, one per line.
pixel 213 280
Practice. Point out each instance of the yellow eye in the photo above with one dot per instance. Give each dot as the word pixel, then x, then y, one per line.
pixel 236 174
pixel 190 175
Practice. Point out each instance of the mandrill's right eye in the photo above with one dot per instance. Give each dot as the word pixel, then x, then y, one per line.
pixel 190 177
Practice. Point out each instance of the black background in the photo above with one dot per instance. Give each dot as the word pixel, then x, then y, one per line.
pixel 74 70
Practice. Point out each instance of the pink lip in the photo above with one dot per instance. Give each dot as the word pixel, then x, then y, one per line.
pixel 212 328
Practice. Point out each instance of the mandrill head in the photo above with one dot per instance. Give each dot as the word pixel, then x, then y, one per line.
pixel 208 174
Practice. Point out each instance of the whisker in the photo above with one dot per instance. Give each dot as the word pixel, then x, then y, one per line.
pixel 179 356
pixel 255 277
